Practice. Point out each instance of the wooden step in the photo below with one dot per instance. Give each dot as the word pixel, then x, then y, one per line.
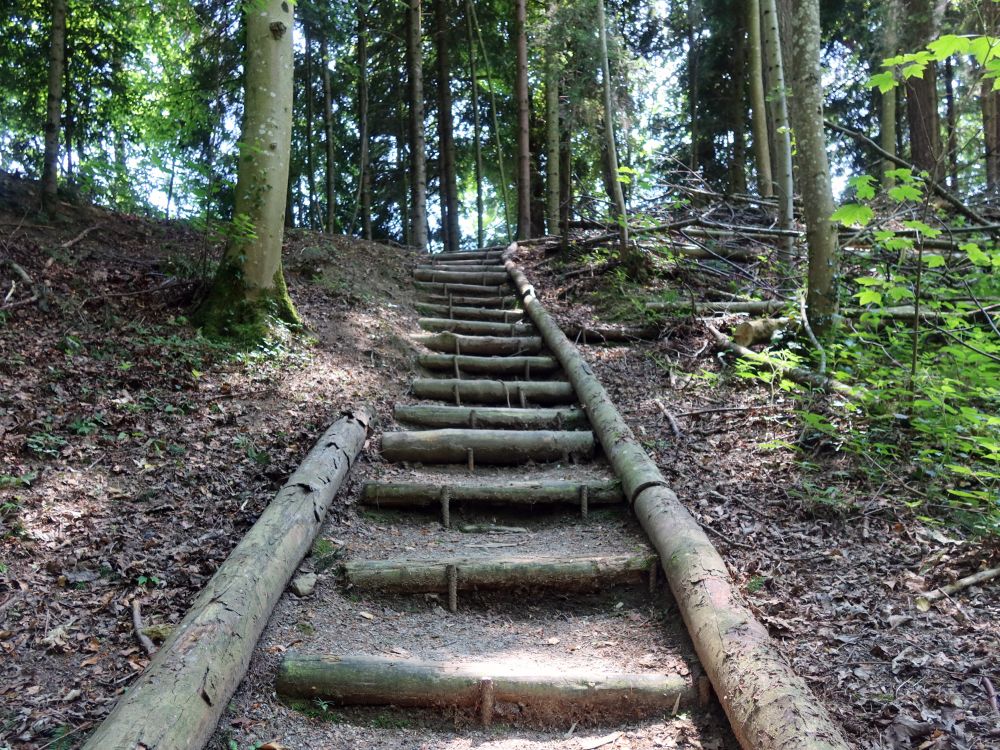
pixel 463 268
pixel 495 447
pixel 524 366
pixel 476 327
pixel 483 278
pixel 491 689
pixel 416 576
pixel 551 492
pixel 509 392
pixel 453 343
pixel 508 302
pixel 459 312
pixel 490 417
pixel 470 290
pixel 477 255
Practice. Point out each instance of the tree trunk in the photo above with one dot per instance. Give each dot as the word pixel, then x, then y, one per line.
pixel 495 447
pixel 490 417
pixel 784 188
pixel 814 166
pixel 402 174
pixel 565 492
pixel 481 391
pixel 53 106
pixel 307 90
pixel 180 697
pixel 887 108
pixel 631 260
pixel 250 286
pixel 365 176
pixel 476 327
pixel 951 121
pixel 477 133
pixel 738 113
pixel 552 123
pixel 523 122
pixel 923 23
pixel 446 141
pixel 467 365
pixel 452 343
pixel 418 159
pixel 693 71
pixel 331 157
pixel 990 102
pixel 761 148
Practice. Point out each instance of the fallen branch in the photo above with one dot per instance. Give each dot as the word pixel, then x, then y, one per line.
pixel 961 584
pixel 69 243
pixel 140 636
pixel 670 419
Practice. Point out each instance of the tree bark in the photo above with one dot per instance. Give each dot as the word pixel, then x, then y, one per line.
pixel 951 121
pixel 452 343
pixel 484 278
pixel 365 177
pixel 249 287
pixel 990 103
pixel 481 391
pixel 888 109
pixel 472 290
pixel 476 327
pixel 632 260
pixel 53 106
pixel 469 313
pixel 524 366
pixel 331 157
pixel 814 166
pixel 738 113
pixel 564 492
pixel 446 141
pixel 784 187
pixel 418 163
pixel 761 148
pixel 523 122
pixel 495 447
pixel 477 134
pixel 922 20
pixel 180 697
pixel 552 127
pixel 693 75
pixel 427 415
pixel 307 89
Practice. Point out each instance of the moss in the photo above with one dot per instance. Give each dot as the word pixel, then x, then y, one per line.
pixel 231 311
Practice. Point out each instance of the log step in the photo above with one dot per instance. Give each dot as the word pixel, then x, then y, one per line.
pixel 495 447
pixel 483 278
pixel 524 366
pixel 544 691
pixel 471 290
pixel 417 576
pixel 460 312
pixel 452 343
pixel 476 327
pixel 552 492
pixel 463 268
pixel 424 415
pixel 460 264
pixel 488 256
pixel 508 302
pixel 510 392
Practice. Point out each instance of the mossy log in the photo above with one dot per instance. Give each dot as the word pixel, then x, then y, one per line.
pixel 496 447
pixel 427 576
pixel 483 278
pixel 547 692
pixel 768 705
pixel 461 312
pixel 523 366
pixel 424 415
pixel 178 700
pixel 468 290
pixel 453 343
pixel 510 392
pixel 507 302
pixel 476 327
pixel 480 256
pixel 549 492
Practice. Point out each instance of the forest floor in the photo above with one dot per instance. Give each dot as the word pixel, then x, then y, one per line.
pixel 134 454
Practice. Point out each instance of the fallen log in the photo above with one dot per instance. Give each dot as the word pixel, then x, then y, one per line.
pixel 471 290
pixel 497 447
pixel 550 492
pixel 759 330
pixel 604 334
pixel 546 692
pixel 462 268
pixel 507 302
pixel 524 366
pixel 423 415
pixel 481 278
pixel 700 308
pixel 460 264
pixel 476 327
pixel 453 343
pixel 178 700
pixel 477 255
pixel 430 576
pixel 459 312
pixel 768 705
pixel 510 392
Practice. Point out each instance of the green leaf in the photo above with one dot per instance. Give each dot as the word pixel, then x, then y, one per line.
pixel 853 214
pixel 864 186
pixel 923 228
pixel 902 193
pixel 869 281
pixel 975 254
pixel 902 174
pixel 934 261
pixel 885 82
pixel 869 297
pixel 898 293
pixel 916 70
pixel 949 45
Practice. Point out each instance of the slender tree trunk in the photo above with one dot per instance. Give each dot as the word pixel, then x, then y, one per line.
pixel 476 125
pixel 310 120
pixel 331 157
pixel 446 140
pixel 552 121
pixel 761 149
pixel 565 183
pixel 53 108
pixel 923 19
pixel 887 103
pixel 693 27
pixel 523 122
pixel 952 122
pixel 403 182
pixel 782 135
pixel 418 162
pixel 738 113
pixel 990 103
pixel 365 176
pixel 814 167
pixel 631 261
pixel 250 285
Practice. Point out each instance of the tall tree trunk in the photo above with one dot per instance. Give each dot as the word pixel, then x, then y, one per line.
pixel 565 183
pixel 951 122
pixel 250 285
pixel 632 260
pixel 782 135
pixel 693 27
pixel 418 159
pixel 53 106
pixel 814 167
pixel 552 122
pixel 331 157
pixel 761 149
pixel 523 122
pixel 307 89
pixel 403 176
pixel 446 140
pixel 923 23
pixel 887 108
pixel 990 103
pixel 365 176
pixel 738 113
pixel 477 130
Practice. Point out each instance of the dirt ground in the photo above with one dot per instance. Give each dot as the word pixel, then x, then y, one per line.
pixel 134 454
